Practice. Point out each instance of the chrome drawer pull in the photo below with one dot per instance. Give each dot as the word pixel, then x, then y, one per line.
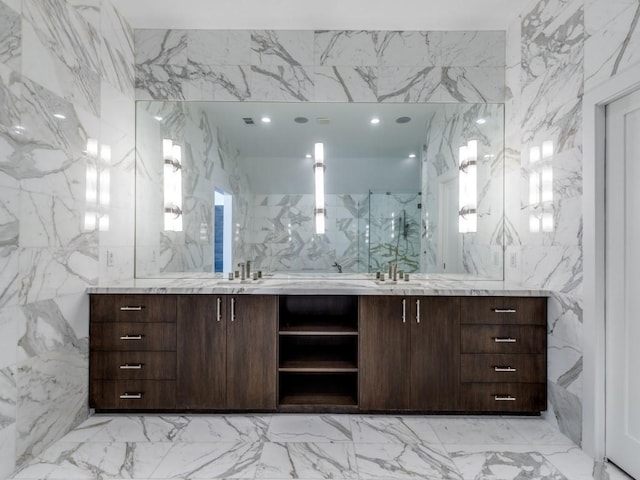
pixel 218 309
pixel 504 398
pixel 131 309
pixel 126 366
pixel 233 309
pixel 418 311
pixel 504 310
pixel 504 340
pixel 504 369
pixel 404 310
pixel 131 396
pixel 131 337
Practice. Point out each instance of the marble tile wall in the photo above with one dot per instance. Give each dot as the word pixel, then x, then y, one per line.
pixel 209 161
pixel 348 66
pixel 543 188
pixel 66 83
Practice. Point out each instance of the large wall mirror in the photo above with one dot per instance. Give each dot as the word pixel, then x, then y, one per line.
pixel 319 188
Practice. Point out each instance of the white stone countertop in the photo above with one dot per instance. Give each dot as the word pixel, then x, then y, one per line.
pixel 320 284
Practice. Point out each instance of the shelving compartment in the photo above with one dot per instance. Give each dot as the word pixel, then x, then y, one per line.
pixel 318 352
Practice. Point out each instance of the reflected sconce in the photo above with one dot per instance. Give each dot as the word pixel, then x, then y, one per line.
pixel 172 155
pixel 318 173
pixel 98 186
pixel 468 187
pixel 541 188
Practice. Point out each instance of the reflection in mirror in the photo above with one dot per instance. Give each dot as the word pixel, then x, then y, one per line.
pixel 421 187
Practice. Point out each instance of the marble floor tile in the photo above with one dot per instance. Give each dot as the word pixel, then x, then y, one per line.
pixel 67 461
pixel 397 461
pixel 145 428
pixel 536 431
pixel 309 428
pixel 196 461
pixel 384 429
pixel 308 460
pixel 87 430
pixel 219 428
pixel 472 430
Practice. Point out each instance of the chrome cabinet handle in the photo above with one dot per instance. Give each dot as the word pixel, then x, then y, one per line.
pixel 504 310
pixel 418 311
pixel 131 337
pixel 131 309
pixel 504 340
pixel 233 309
pixel 404 310
pixel 131 396
pixel 218 309
pixel 127 366
pixel 504 398
pixel 504 369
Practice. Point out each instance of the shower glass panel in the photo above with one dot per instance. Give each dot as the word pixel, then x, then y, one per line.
pixel 391 231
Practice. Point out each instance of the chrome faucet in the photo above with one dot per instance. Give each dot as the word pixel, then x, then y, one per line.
pixel 338 266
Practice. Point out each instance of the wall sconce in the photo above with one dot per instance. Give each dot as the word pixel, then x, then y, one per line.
pixel 98 186
pixel 468 187
pixel 172 155
pixel 541 188
pixel 318 173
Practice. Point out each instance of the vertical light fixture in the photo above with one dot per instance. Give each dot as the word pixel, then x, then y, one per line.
pixel 541 188
pixel 91 186
pixel 468 187
pixel 172 155
pixel 104 173
pixel 318 172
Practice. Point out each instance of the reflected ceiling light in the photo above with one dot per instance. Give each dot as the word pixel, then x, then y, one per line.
pixel 318 173
pixel 403 119
pixel 374 121
pixel 172 155
pixel 265 120
pixel 481 121
pixel 158 118
pixel 412 155
pixel 308 155
pixel 59 115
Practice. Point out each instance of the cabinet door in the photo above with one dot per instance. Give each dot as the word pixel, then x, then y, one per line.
pixel 201 349
pixel 435 353
pixel 251 352
pixel 384 367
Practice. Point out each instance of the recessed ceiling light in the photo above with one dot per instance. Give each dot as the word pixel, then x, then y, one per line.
pixel 481 121
pixel 403 119
pixel 375 121
pixel 158 118
pixel 265 120
pixel 59 115
pixel 308 155
pixel 412 155
pixel 301 119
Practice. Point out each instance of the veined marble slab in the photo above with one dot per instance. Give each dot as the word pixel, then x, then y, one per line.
pixel 329 284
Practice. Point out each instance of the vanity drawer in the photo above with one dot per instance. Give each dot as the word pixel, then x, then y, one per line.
pixel 133 365
pixel 133 308
pixel 504 310
pixel 503 397
pixel 503 339
pixel 502 368
pixel 133 336
pixel 133 394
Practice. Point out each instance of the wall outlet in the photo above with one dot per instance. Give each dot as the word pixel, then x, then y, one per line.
pixel 496 258
pixel 513 259
pixel 110 259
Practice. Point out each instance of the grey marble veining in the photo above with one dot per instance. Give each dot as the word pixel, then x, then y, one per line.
pixel 10 37
pixel 345 447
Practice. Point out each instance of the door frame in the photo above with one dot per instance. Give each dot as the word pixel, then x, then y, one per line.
pixel 595 101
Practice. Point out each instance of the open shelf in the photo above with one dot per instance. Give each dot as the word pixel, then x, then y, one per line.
pixel 318 359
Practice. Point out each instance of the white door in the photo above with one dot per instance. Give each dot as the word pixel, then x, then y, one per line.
pixel 623 283
pixel 448 251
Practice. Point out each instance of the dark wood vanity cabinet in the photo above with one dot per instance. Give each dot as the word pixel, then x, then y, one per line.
pixel 132 362
pixel 226 352
pixel 409 353
pixel 503 354
pixel 313 353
